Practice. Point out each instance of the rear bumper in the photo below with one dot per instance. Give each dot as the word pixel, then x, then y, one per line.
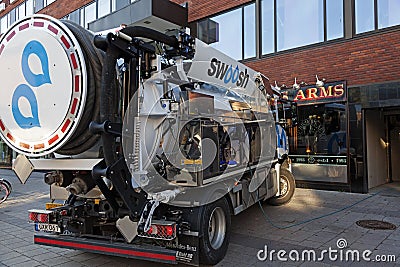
pixel 142 252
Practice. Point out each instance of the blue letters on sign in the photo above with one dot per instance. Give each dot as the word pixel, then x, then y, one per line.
pixel 34 80
pixel 25 91
pixel 231 75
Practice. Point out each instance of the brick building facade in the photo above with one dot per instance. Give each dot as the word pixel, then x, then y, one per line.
pixel 367 60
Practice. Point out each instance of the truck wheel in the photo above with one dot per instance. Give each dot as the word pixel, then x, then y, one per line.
pixel 287 186
pixel 215 232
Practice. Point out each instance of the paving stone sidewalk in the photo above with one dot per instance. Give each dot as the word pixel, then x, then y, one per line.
pixel 252 231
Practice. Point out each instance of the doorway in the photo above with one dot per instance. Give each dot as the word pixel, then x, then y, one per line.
pixel 392 119
pixel 376 144
pixel 382 128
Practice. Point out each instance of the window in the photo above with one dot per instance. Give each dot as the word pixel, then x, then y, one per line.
pixel 249 41
pixel 29 7
pixel 230 33
pixel 318 146
pixel 299 23
pixel 12 16
pixel 233 33
pixel 267 26
pixel 334 19
pixel 284 24
pixel 388 13
pixel 321 130
pixel 39 4
pixel 90 14
pixel 365 18
pixel 21 11
pixel 75 17
pixel 385 11
pixel 121 3
pixel 4 23
pixel 103 7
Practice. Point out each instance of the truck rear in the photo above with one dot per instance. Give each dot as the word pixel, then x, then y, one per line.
pixel 150 141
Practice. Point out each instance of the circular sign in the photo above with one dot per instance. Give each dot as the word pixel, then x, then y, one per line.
pixel 43 85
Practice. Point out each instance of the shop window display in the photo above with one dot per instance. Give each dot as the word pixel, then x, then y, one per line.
pixel 318 144
pixel 321 130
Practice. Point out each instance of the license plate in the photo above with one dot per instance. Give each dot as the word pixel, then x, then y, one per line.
pixel 47 227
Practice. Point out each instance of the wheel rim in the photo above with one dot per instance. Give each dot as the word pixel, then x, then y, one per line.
pixel 284 186
pixel 217 228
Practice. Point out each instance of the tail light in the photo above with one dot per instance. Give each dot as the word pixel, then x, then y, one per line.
pixel 170 230
pixel 39 216
pixel 32 216
pixel 165 230
pixel 43 218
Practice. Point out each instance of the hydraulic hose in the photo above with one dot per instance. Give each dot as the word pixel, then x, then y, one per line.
pixel 108 102
pixel 108 98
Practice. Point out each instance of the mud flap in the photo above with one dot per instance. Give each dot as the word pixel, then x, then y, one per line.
pixel 187 250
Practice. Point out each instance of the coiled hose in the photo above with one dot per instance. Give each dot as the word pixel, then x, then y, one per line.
pixel 83 139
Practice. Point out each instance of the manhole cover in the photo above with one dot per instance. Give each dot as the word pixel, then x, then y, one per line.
pixel 376 225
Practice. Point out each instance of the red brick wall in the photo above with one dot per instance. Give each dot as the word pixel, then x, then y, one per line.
pixel 371 59
pixel 203 8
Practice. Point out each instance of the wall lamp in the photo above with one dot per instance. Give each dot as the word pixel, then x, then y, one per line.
pixel 276 87
pixel 296 86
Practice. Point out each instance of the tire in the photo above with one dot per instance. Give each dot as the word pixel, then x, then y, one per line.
pixel 215 232
pixel 287 186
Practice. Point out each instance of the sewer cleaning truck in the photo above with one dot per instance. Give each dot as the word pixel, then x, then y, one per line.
pixel 149 141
